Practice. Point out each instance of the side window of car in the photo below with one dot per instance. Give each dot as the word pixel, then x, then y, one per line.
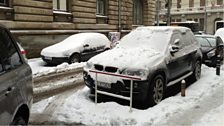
pixel 187 39
pixel 9 54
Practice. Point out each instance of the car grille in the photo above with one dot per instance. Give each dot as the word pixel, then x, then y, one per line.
pixel 106 69
pixel 98 67
pixel 111 69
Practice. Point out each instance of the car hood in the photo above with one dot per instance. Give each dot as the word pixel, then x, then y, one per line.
pixel 61 49
pixel 132 58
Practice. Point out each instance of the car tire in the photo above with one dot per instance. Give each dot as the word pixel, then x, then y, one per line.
pixel 19 121
pixel 156 90
pixel 196 73
pixel 75 58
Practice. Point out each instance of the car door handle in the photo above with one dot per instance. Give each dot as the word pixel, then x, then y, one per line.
pixel 9 90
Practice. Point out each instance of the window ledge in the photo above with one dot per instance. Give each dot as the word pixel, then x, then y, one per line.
pixel 6 8
pixel 137 25
pixel 61 12
pixel 101 16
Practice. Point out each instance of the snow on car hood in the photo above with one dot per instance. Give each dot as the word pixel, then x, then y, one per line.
pixel 62 49
pixel 132 58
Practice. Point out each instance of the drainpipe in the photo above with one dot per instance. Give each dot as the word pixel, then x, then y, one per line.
pixel 157 12
pixel 168 12
pixel 119 15
pixel 205 17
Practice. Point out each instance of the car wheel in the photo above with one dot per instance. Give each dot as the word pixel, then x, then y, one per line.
pixel 75 58
pixel 156 90
pixel 196 73
pixel 18 121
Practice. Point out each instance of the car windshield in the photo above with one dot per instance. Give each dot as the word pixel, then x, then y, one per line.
pixel 147 38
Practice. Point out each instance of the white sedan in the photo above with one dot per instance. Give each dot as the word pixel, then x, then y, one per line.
pixel 76 48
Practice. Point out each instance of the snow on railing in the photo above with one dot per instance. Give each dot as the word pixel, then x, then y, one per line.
pixel 132 78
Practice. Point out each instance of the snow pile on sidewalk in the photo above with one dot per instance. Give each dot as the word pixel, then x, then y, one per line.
pixel 78 108
pixel 39 67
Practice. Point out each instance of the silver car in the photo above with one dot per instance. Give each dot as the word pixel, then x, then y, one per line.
pixel 16 90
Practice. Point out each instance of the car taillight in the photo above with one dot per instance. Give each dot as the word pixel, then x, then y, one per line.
pixel 23 52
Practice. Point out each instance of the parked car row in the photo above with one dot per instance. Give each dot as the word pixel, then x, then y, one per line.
pixel 162 62
pixel 159 56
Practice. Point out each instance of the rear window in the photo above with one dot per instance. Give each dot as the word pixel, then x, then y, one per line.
pixel 212 41
pixel 203 42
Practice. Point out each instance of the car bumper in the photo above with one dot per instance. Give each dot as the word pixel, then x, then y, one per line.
pixel 140 88
pixel 55 60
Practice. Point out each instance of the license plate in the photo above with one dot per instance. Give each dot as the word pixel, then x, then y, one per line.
pixel 48 58
pixel 103 84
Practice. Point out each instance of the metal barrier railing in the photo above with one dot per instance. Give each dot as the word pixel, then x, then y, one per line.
pixel 132 78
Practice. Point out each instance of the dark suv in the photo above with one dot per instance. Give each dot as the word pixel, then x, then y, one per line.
pixel 160 56
pixel 16 90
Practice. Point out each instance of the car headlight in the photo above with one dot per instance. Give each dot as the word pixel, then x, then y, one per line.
pixel 211 53
pixel 140 73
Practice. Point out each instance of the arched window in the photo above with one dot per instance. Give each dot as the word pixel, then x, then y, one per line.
pixel 137 12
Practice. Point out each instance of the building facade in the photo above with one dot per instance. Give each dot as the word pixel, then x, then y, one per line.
pixel 39 23
pixel 206 12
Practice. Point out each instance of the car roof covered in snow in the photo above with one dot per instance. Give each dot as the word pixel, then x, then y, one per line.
pixel 164 28
pixel 85 36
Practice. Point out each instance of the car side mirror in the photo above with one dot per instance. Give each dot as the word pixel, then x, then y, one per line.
pixel 86 45
pixel 174 48
pixel 176 41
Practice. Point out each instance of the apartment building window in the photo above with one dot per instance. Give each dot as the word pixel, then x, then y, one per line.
pixel 61 5
pixel 219 2
pixel 61 11
pixel 101 11
pixel 202 3
pixel 138 12
pixel 4 2
pixel 201 24
pixel 178 3
pixel 101 7
pixel 191 3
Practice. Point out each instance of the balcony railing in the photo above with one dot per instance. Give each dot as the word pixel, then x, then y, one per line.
pixel 189 10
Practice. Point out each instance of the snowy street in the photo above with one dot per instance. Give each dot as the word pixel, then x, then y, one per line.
pixel 202 106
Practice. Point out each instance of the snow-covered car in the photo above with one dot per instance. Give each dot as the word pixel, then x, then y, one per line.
pixel 209 44
pixel 160 56
pixel 76 48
